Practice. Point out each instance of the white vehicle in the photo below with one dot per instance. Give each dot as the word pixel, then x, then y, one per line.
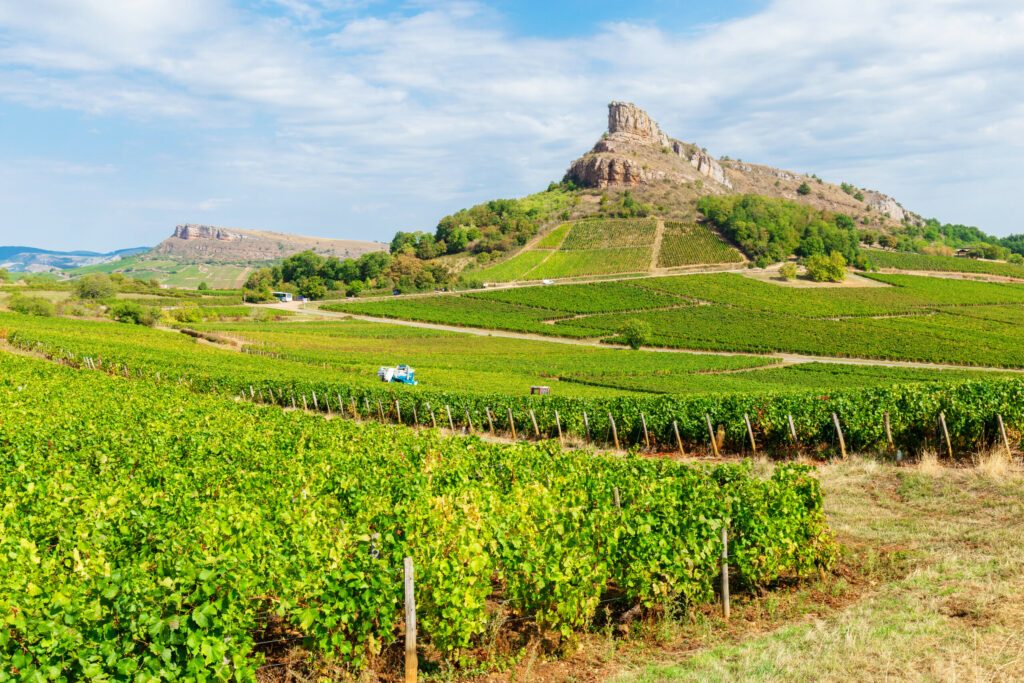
pixel 547 282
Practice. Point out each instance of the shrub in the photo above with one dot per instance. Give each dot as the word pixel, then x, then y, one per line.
pixel 131 312
pixel 30 305
pixel 831 268
pixel 804 189
pixel 788 271
pixel 313 288
pixel 635 333
pixel 97 286
pixel 203 287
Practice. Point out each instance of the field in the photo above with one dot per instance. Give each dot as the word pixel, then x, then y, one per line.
pixel 237 502
pixel 902 260
pixel 173 273
pixel 148 531
pixel 685 244
pixel 912 319
pixel 595 247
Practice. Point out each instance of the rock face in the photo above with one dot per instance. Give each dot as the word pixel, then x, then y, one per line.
pixel 193 242
pixel 887 206
pixel 192 231
pixel 636 151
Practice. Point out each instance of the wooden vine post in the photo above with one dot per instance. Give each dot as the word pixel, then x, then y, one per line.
pixel 725 573
pixel 679 441
pixel 490 420
pixel 558 426
pixel 711 435
pixel 411 663
pixel 615 431
pixel 451 422
pixel 839 433
pixel 945 434
pixel 647 436
pixel 293 401
pixel 792 428
pixel 415 417
pixel 1002 432
pixel 433 422
pixel 469 421
pixel 380 410
pixel 889 443
pixel 305 406
pixel 618 503
pixel 398 410
pixel 511 424
pixel 536 429
pixel 750 433
pixel 316 405
pixel 586 424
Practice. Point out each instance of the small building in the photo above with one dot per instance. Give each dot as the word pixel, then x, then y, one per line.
pixel 543 391
pixel 965 253
pixel 282 296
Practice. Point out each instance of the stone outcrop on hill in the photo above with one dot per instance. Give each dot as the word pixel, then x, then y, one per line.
pixel 193 242
pixel 636 154
pixel 635 151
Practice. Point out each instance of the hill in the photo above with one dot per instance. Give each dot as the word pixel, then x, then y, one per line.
pixel 32 260
pixel 234 245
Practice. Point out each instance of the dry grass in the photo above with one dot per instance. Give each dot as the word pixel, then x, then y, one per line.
pixel 954 611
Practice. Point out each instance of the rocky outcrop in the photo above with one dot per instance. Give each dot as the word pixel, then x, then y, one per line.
pixel 886 205
pixel 193 231
pixel 205 243
pixel 635 151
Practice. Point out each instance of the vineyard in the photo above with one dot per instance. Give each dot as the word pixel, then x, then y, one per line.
pixel 903 260
pixel 911 318
pixel 685 244
pixel 150 532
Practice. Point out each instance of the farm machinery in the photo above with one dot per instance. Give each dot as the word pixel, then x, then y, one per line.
pixel 402 373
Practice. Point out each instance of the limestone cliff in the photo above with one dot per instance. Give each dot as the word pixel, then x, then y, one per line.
pixel 193 242
pixel 635 151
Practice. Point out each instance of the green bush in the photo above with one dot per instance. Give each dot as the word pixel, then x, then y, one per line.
pixel 136 314
pixel 804 189
pixel 831 268
pixel 30 305
pixel 788 271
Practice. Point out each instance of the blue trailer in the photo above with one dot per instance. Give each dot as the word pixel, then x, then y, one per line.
pixel 401 373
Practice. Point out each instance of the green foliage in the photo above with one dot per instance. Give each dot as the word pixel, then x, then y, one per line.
pixel 203 287
pixel 5 276
pixel 788 271
pixel 501 225
pixel 804 189
pixel 821 268
pixel 635 333
pixel 770 230
pixel 312 288
pixel 136 314
pixel 97 286
pixel 912 261
pixel 202 521
pixel 30 305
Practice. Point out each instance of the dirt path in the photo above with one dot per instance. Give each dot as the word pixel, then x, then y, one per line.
pixel 659 234
pixel 786 358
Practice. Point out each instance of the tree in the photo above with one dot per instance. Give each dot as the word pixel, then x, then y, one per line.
pixel 635 333
pixel 831 268
pixel 313 288
pixel 298 267
pixel 203 287
pixel 788 271
pixel 4 275
pixel 97 286
pixel 804 189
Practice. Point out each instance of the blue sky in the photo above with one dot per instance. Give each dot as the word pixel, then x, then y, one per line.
pixel 355 118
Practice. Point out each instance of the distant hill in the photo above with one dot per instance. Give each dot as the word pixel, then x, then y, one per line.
pixel 208 243
pixel 32 260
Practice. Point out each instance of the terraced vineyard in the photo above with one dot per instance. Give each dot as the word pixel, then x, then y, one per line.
pixel 148 532
pixel 686 244
pixel 609 246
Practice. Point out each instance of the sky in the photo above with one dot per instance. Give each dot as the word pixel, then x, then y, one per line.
pixel 120 119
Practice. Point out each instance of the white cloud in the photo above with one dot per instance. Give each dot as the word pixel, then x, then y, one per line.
pixel 442 105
